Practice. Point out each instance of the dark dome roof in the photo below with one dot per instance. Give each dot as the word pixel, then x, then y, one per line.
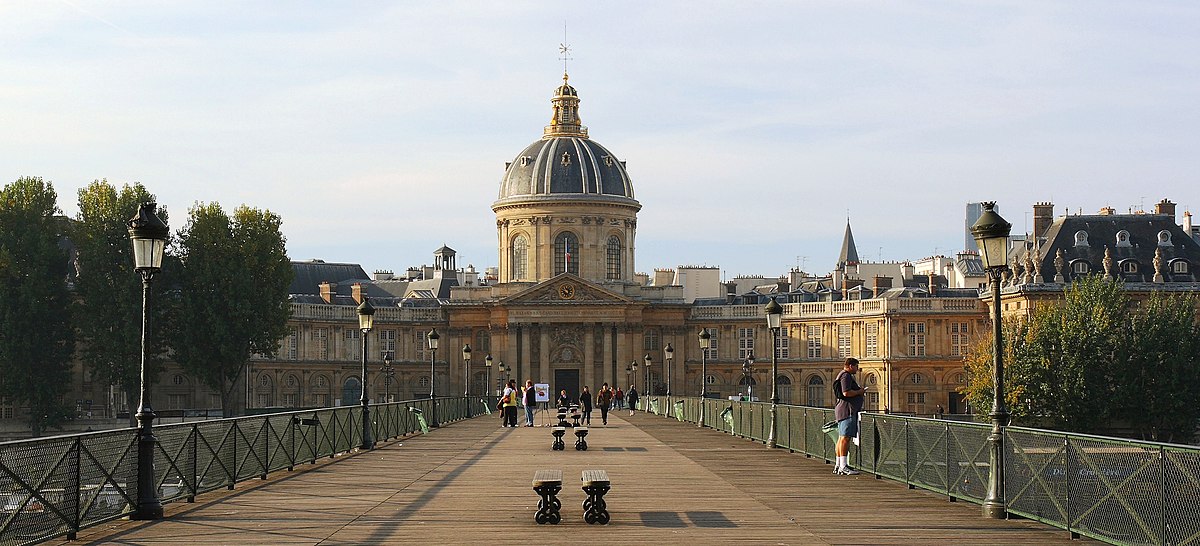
pixel 566 167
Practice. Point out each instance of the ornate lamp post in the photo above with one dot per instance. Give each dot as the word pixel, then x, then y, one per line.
pixel 991 234
pixel 705 340
pixel 487 377
pixel 366 320
pixel 669 352
pixel 648 362
pixel 149 237
pixel 633 371
pixel 467 370
pixel 774 314
pixel 502 376
pixel 432 337
pixel 748 373
pixel 388 373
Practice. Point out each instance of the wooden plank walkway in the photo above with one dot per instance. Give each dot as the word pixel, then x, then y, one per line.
pixel 672 483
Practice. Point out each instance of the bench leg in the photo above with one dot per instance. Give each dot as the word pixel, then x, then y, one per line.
pixel 595 510
pixel 559 445
pixel 549 505
pixel 580 443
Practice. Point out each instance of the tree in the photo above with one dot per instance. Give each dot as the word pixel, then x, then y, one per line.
pixel 36 340
pixel 233 294
pixel 1158 384
pixel 109 290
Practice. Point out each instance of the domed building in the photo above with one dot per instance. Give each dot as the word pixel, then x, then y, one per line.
pixel 566 205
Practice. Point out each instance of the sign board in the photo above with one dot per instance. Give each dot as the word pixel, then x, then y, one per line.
pixel 542 390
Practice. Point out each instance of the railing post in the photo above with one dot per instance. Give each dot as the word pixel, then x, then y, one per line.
pixel 233 432
pixel 73 490
pixel 195 485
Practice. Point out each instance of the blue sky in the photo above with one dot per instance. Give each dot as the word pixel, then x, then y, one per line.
pixel 379 130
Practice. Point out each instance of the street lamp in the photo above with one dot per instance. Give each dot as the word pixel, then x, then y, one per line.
pixel 388 373
pixel 149 237
pixel 669 351
pixel 502 375
pixel 487 377
pixel 705 341
pixel 366 319
pixel 748 373
pixel 433 336
pixel 633 370
pixel 774 314
pixel 648 362
pixel 991 235
pixel 467 370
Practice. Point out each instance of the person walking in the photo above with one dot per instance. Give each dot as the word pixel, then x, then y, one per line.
pixel 585 405
pixel 850 402
pixel 530 400
pixel 509 398
pixel 632 398
pixel 619 398
pixel 604 400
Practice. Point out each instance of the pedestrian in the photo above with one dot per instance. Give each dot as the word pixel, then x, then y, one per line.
pixel 509 398
pixel 585 404
pixel 563 399
pixel 604 400
pixel 530 400
pixel 940 412
pixel 632 398
pixel 850 402
pixel 619 398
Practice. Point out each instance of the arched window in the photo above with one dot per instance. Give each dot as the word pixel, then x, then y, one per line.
pixel 351 391
pixel 816 391
pixel 1123 238
pixel 566 253
pixel 916 379
pixel 1080 268
pixel 613 258
pixel 1081 238
pixel 1129 266
pixel 520 258
pixel 1179 267
pixel 1164 238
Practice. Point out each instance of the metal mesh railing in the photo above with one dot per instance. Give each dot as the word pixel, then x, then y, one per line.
pixel 1118 491
pixel 56 486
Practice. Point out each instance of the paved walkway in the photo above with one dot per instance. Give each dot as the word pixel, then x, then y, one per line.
pixel 469 483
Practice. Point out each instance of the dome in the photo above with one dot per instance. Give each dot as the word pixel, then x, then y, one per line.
pixel 565 164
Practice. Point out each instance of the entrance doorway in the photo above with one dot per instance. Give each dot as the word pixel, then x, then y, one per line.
pixel 565 379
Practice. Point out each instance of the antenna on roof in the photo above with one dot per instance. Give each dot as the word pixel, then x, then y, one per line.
pixel 565 49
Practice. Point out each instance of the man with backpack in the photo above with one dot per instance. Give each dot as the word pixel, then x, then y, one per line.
pixel 850 399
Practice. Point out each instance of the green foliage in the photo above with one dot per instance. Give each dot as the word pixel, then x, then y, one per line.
pixel 1095 361
pixel 108 309
pixel 233 294
pixel 36 340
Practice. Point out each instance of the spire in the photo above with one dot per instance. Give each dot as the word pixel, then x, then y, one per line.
pixel 565 121
pixel 849 255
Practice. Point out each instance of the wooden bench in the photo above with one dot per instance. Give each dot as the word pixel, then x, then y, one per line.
pixel 548 483
pixel 558 433
pixel 595 484
pixel 580 442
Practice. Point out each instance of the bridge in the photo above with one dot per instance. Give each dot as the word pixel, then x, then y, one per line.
pixel 298 478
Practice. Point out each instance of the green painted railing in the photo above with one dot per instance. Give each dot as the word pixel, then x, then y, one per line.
pixel 1114 490
pixel 53 487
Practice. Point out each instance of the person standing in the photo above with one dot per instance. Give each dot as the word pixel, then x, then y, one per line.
pixel 604 400
pixel 509 398
pixel 530 400
pixel 619 398
pixel 632 398
pixel 850 402
pixel 563 399
pixel 585 405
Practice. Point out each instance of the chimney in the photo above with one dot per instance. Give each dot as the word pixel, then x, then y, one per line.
pixel 932 284
pixel 906 271
pixel 784 286
pixel 356 292
pixel 328 289
pixel 882 283
pixel 1107 211
pixel 730 292
pixel 1043 216
pixel 1187 224
pixel 1165 207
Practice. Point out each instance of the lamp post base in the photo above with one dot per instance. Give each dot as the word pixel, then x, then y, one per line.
pixel 994 510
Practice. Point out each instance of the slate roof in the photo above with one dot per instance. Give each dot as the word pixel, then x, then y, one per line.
pixel 1146 234
pixel 311 273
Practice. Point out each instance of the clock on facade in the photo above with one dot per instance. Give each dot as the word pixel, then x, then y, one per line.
pixel 566 291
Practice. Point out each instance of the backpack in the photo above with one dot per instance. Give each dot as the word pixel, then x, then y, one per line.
pixel 837 387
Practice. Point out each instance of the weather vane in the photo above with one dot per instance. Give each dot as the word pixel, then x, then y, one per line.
pixel 565 50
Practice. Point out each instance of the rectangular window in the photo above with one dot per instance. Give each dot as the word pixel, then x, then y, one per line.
pixel 650 340
pixel 353 342
pixel 916 339
pixel 872 339
pixel 916 402
pixel 711 353
pixel 321 400
pixel 420 342
pixel 264 400
pixel 289 346
pixel 843 340
pixel 387 344
pixel 6 408
pixel 814 342
pixel 177 401
pixel 872 402
pixel 745 343
pixel 781 344
pixel 320 338
pixel 290 400
pixel 958 338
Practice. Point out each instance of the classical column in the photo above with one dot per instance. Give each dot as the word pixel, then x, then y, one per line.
pixel 606 352
pixel 589 355
pixel 543 370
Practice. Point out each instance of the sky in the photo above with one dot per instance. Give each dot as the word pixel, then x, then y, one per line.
pixel 752 130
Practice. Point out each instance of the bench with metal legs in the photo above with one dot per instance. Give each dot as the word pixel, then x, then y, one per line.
pixel 595 484
pixel 548 483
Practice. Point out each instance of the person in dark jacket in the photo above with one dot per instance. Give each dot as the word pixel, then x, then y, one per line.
pixel 585 404
pixel 632 398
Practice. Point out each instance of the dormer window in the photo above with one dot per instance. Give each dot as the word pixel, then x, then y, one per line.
pixel 566 158
pixel 1164 238
pixel 1129 266
pixel 1123 238
pixel 1080 267
pixel 1081 238
pixel 1179 267
pixel 525 161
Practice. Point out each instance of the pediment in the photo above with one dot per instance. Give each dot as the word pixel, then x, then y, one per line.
pixel 566 289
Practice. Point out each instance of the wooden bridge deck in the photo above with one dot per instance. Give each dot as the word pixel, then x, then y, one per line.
pixel 672 483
